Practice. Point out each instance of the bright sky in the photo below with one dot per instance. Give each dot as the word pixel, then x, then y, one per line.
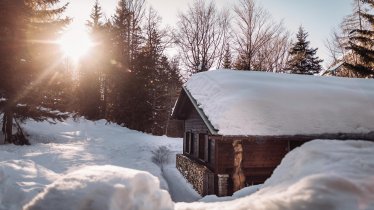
pixel 317 16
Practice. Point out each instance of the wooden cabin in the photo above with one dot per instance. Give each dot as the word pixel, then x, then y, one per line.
pixel 223 151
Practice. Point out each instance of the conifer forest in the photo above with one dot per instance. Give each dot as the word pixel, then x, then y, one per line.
pixel 129 67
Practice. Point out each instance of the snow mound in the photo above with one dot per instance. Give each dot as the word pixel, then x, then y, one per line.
pixel 103 187
pixel 245 192
pixel 263 103
pixel 20 181
pixel 325 174
pixel 322 174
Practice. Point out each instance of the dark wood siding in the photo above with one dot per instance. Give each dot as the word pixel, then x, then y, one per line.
pixel 260 158
pixel 256 154
pixel 211 163
pixel 202 148
pixel 263 153
pixel 195 123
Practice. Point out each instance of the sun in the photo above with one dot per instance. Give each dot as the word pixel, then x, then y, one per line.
pixel 75 43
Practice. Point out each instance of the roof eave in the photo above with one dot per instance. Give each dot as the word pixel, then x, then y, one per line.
pixel 211 128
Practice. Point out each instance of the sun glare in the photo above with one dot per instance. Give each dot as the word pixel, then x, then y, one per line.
pixel 75 43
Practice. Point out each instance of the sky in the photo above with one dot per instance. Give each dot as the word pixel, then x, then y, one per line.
pixel 318 17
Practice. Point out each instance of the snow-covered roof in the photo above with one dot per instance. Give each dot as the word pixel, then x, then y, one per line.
pixel 333 68
pixel 260 103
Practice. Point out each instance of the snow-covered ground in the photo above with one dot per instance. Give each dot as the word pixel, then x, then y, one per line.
pixel 90 165
pixel 60 149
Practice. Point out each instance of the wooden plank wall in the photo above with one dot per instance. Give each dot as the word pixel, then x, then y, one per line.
pixel 260 158
pixel 194 123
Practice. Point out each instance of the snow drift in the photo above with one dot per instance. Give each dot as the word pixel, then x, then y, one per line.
pixel 263 103
pixel 103 187
pixel 20 180
pixel 322 174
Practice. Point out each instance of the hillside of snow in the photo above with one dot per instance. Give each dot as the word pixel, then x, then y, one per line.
pixel 60 149
pixel 94 165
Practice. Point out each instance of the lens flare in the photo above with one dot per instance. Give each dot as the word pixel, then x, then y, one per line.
pixel 75 43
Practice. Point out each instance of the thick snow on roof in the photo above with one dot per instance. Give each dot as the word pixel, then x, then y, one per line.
pixel 259 103
pixel 332 68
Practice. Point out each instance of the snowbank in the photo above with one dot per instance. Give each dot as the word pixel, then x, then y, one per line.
pixel 322 174
pixel 261 103
pixel 20 181
pixel 103 187
pixel 238 194
pixel 62 148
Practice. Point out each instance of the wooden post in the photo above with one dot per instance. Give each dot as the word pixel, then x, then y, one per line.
pixel 223 184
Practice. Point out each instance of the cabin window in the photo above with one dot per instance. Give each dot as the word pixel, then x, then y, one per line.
pixel 187 142
pixel 202 146
pixel 209 155
pixel 192 143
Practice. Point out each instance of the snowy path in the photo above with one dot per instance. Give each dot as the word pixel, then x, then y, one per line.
pixel 177 186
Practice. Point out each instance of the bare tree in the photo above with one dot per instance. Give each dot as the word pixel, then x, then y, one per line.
pixel 201 36
pixel 273 55
pixel 336 46
pixel 261 44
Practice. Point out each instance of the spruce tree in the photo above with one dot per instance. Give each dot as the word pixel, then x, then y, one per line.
pixel 126 36
pixel 361 42
pixel 26 65
pixel 227 58
pixel 154 80
pixel 303 59
pixel 92 77
pixel 95 23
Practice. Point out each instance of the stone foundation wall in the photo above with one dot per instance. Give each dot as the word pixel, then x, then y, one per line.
pixel 193 172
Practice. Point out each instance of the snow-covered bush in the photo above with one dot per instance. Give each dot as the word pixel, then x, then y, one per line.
pixel 161 156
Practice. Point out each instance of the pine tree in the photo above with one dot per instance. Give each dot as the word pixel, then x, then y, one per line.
pixel 126 36
pixel 303 59
pixel 92 78
pixel 95 23
pixel 361 42
pixel 26 65
pixel 154 80
pixel 227 58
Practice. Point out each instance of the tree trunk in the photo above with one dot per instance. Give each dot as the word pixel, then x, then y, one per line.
pixel 3 125
pixel 8 126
